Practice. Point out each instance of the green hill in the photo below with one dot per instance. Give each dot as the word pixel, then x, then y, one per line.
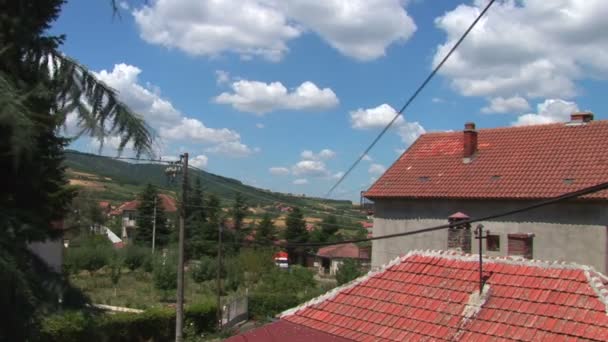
pixel 117 181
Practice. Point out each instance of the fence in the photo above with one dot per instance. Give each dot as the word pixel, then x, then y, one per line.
pixel 235 311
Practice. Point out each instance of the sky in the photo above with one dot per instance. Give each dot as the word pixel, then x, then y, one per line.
pixel 286 94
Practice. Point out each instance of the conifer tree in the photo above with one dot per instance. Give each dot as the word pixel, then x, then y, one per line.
pixel 265 234
pixel 145 219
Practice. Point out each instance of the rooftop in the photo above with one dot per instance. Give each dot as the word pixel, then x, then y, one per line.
pixel 528 162
pixel 434 296
pixel 348 250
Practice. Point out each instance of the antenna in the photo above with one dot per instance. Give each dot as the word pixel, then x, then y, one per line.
pixel 480 236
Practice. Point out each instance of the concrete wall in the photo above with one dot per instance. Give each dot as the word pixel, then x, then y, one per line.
pixel 572 231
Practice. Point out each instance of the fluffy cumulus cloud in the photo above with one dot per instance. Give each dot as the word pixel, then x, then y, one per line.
pixel 233 149
pixel 260 98
pixel 199 161
pixel 534 48
pixel 362 29
pixel 376 169
pixel 169 122
pixel 278 171
pixel 379 117
pixel 549 111
pixel 315 168
pixel 300 181
pixel 324 154
pixel 515 104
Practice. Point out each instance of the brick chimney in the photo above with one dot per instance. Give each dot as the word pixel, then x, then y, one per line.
pixel 470 142
pixel 581 117
pixel 459 234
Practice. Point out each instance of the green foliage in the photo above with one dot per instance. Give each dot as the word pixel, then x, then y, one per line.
pixel 266 232
pixel 295 232
pixel 349 270
pixel 136 256
pixel 295 279
pixel 165 274
pixel 255 263
pixel 91 253
pixel 116 263
pixel 145 219
pixel 204 270
pixel 151 325
pixel 264 305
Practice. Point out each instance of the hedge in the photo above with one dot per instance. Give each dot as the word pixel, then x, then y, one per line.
pixel 263 305
pixel 152 325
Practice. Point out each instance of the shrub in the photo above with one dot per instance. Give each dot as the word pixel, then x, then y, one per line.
pixel 135 257
pixel 264 305
pixel 165 275
pixel 349 270
pixel 93 253
pixel 151 325
pixel 204 270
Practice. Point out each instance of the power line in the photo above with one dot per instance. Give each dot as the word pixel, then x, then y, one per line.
pixel 412 97
pixel 567 196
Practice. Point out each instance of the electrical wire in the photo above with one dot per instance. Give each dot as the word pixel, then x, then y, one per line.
pixel 566 196
pixel 412 97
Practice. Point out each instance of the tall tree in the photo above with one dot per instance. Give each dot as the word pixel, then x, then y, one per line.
pixel 238 213
pixel 195 222
pixel 295 232
pixel 266 233
pixel 39 87
pixel 145 219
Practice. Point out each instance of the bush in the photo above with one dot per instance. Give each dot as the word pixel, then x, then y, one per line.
pixel 151 325
pixel 204 270
pixel 165 275
pixel 349 270
pixel 135 257
pixel 264 305
pixel 93 253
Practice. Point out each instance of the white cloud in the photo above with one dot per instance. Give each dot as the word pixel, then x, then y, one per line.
pixel 337 175
pixel 199 161
pixel 533 48
pixel 245 27
pixel 324 154
pixel 222 77
pixel 124 5
pixel 377 117
pixel 259 125
pixel 549 111
pixel 376 169
pixel 314 168
pixel 300 181
pixel 515 104
pixel 410 131
pixel 279 171
pixel 361 29
pixel 260 98
pixel 160 113
pixel 437 100
pixel 234 149
pixel 367 158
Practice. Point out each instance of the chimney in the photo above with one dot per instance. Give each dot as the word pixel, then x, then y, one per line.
pixel 459 234
pixel 580 117
pixel 470 142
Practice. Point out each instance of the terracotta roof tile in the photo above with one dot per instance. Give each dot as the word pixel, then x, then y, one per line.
pixel 423 296
pixel 530 162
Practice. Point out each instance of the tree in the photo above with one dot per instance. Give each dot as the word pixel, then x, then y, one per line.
pixel 115 270
pixel 265 234
pixel 195 222
pixel 295 232
pixel 148 199
pixel 348 271
pixel 329 226
pixel 165 274
pixel 39 88
pixel 238 213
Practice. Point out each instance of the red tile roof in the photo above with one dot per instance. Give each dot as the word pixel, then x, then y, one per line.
pixel 285 331
pixel 434 296
pixel 169 205
pixel 349 250
pixel 367 225
pixel 530 162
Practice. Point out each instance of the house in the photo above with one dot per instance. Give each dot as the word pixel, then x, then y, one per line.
pixel 127 213
pixel 105 207
pixel 51 250
pixel 486 171
pixel 329 259
pixel 435 296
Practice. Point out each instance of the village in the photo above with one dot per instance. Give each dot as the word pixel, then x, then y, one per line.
pixel 233 171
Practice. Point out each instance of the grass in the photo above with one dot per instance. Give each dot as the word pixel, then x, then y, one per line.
pixel 136 289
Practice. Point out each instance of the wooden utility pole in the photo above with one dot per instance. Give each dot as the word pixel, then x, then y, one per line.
pixel 154 227
pixel 219 278
pixel 179 309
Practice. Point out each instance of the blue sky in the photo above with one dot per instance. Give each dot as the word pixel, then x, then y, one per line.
pixel 285 95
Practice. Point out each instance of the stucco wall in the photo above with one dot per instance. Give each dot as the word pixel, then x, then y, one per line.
pixel 573 231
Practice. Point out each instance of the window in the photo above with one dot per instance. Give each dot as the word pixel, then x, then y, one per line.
pixel 493 243
pixel 521 245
